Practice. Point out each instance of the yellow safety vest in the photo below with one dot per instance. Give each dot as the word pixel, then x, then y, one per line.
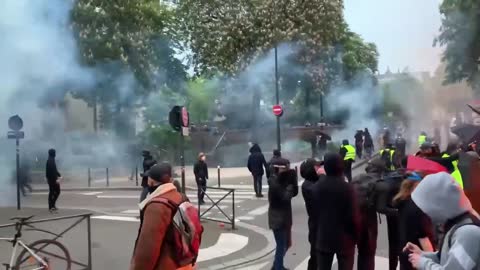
pixel 421 139
pixel 456 172
pixel 392 152
pixel 351 152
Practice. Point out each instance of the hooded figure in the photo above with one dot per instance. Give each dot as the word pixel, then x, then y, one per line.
pixel 336 216
pixel 445 203
pixel 52 176
pixel 276 161
pixel 282 189
pixel 368 143
pixel 256 163
pixel 364 186
pixel 359 143
pixel 309 170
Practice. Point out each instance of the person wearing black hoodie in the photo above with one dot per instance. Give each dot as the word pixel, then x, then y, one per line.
pixel 308 170
pixel 359 143
pixel 277 161
pixel 364 185
pixel 336 216
pixel 52 176
pixel 283 187
pixel 385 191
pixel 368 144
pixel 148 163
pixel 200 170
pixel 256 163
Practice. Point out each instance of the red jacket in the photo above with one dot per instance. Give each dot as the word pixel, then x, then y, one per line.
pixel 151 251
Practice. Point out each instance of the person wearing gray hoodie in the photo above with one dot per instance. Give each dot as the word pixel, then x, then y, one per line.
pixel 442 199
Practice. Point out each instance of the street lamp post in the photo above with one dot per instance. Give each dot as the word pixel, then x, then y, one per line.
pixel 277 96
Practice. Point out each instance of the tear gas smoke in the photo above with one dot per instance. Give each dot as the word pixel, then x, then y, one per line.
pixel 39 64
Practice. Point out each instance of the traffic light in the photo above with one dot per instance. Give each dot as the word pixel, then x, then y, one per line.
pixel 175 118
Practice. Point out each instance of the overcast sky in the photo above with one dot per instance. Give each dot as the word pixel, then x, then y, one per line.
pixel 402 29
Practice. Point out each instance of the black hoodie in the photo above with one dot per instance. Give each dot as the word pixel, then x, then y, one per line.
pixel 336 211
pixel 256 161
pixel 51 171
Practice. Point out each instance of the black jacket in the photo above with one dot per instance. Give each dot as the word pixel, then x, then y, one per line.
pixel 385 191
pixel 52 173
pixel 256 161
pixel 200 170
pixel 336 216
pixel 147 164
pixel 279 161
pixel 282 189
pixel 368 140
pixel 308 193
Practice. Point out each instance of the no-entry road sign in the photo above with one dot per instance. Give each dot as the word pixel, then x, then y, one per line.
pixel 277 110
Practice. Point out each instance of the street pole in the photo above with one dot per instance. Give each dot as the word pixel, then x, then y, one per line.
pixel 182 159
pixel 321 107
pixel 18 173
pixel 277 96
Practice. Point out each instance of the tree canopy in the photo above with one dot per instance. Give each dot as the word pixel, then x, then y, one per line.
pixel 460 35
pixel 226 36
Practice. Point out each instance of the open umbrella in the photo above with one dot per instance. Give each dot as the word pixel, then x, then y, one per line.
pixel 467 133
pixel 424 165
pixel 475 106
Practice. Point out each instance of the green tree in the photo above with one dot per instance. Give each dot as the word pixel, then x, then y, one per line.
pixel 460 35
pixel 120 38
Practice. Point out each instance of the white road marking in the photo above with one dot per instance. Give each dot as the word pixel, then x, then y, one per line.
pixel 246 218
pixel 259 211
pixel 227 244
pixel 118 196
pixel 117 218
pixel 91 193
pixel 133 211
pixel 380 263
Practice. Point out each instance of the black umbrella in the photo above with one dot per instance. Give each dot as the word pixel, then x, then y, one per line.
pixel 467 133
pixel 474 107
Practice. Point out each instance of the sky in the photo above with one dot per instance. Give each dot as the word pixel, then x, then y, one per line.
pixel 403 31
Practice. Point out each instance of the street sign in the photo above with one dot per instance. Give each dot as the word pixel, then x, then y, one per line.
pixel 185 117
pixel 278 110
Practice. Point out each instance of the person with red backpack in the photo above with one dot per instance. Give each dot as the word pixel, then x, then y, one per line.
pixel 170 230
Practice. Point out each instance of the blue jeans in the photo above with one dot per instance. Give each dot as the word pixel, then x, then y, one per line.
pixel 281 238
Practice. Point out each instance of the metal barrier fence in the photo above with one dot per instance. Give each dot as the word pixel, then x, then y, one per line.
pixel 79 219
pixel 215 204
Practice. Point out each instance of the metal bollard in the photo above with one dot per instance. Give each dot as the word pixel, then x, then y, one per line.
pixel 108 179
pixel 218 175
pixel 233 209
pixel 89 177
pixel 136 176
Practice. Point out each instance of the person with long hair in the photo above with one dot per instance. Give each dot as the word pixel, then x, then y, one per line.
pixel 414 225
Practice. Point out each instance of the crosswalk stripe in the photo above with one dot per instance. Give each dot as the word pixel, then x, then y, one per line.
pixel 380 263
pixel 117 218
pixel 91 193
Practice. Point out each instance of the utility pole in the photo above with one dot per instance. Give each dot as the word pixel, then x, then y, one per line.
pixel 277 99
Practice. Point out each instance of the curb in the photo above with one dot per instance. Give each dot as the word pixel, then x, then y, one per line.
pixel 252 257
pixel 139 188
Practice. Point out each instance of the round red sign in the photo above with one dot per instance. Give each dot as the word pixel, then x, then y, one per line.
pixel 277 110
pixel 185 117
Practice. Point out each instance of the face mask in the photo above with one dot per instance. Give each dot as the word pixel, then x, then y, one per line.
pixel 152 189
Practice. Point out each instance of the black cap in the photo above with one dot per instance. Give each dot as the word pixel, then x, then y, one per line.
pixel 159 171
pixel 307 168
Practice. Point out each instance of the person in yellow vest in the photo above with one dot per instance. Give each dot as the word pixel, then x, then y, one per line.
pixel 451 153
pixel 348 154
pixel 387 155
pixel 422 139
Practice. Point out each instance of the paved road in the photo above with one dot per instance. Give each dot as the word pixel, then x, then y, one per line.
pixel 115 226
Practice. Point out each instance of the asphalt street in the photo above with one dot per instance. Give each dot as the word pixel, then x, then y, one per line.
pixel 115 226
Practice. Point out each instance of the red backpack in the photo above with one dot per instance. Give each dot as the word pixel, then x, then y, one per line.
pixel 185 231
